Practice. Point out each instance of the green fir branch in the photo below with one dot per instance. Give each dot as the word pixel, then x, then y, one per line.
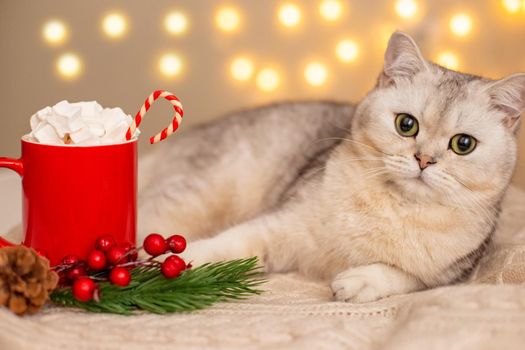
pixel 194 289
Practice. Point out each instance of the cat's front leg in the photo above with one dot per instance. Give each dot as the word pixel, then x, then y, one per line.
pixel 372 282
pixel 235 243
pixel 263 237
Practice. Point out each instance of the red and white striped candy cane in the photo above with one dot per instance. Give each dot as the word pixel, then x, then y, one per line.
pixel 179 113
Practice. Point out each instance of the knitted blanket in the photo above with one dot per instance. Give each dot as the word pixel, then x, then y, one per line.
pixel 487 312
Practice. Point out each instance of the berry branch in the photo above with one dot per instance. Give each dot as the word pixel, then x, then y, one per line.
pixel 194 289
pixel 112 279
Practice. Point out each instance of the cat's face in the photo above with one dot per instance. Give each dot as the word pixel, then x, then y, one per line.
pixel 439 134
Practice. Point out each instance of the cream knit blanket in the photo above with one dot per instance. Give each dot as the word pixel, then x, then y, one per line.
pixel 295 313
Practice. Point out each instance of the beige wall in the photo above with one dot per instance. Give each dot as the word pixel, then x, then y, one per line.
pixel 122 73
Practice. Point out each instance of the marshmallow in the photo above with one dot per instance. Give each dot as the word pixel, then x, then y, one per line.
pixel 88 109
pixel 80 123
pixel 47 134
pixel 75 124
pixel 66 109
pixel 41 114
pixel 34 121
pixel 84 136
pixel 97 128
pixel 117 131
pixel 60 124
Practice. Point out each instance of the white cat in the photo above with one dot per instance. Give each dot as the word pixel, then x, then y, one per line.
pixel 395 195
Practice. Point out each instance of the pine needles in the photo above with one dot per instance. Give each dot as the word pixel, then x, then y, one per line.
pixel 194 289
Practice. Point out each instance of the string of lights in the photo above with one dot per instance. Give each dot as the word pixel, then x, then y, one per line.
pixel 228 20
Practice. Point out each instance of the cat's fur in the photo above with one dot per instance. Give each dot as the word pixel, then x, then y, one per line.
pixel 335 192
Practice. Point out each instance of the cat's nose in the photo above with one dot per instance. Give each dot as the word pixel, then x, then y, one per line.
pixel 424 160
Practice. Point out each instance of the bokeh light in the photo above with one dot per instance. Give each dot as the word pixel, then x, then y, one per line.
pixel 114 25
pixel 242 68
pixel 512 6
pixel 347 50
pixel 268 79
pixel 170 65
pixel 448 60
pixel 69 66
pixel 331 10
pixel 176 23
pixel 289 15
pixel 228 19
pixel 315 73
pixel 54 32
pixel 406 8
pixel 460 24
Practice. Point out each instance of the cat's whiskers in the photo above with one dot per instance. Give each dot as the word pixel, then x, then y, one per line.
pixel 467 200
pixel 450 201
pixel 488 209
pixel 374 170
pixel 489 217
pixel 346 161
pixel 450 180
pixel 483 201
pixel 399 164
pixel 367 176
pixel 452 197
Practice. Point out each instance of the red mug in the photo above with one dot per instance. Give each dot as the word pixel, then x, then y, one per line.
pixel 74 194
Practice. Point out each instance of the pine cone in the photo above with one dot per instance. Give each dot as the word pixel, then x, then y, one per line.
pixel 25 279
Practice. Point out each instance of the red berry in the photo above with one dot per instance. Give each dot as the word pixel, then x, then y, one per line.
pixel 154 244
pixel 76 272
pixel 177 260
pixel 84 289
pixel 177 243
pixel 70 259
pixel 120 276
pixel 128 247
pixel 170 270
pixel 116 256
pixel 105 243
pixel 172 266
pixel 96 260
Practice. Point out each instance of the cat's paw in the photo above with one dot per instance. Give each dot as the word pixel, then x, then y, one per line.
pixel 371 282
pixel 358 286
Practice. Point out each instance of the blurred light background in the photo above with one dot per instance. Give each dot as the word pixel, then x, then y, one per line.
pixel 219 56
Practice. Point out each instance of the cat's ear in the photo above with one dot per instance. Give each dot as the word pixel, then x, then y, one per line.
pixel 508 96
pixel 403 60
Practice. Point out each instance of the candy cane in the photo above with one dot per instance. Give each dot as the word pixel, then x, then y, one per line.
pixel 179 113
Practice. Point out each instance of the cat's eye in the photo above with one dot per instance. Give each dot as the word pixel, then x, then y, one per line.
pixel 406 125
pixel 462 144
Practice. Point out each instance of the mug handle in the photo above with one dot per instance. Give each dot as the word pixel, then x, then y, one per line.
pixel 15 165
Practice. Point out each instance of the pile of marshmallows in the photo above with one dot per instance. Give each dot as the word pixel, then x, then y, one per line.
pixel 80 123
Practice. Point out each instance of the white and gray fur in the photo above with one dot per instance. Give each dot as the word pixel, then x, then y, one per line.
pixel 334 192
